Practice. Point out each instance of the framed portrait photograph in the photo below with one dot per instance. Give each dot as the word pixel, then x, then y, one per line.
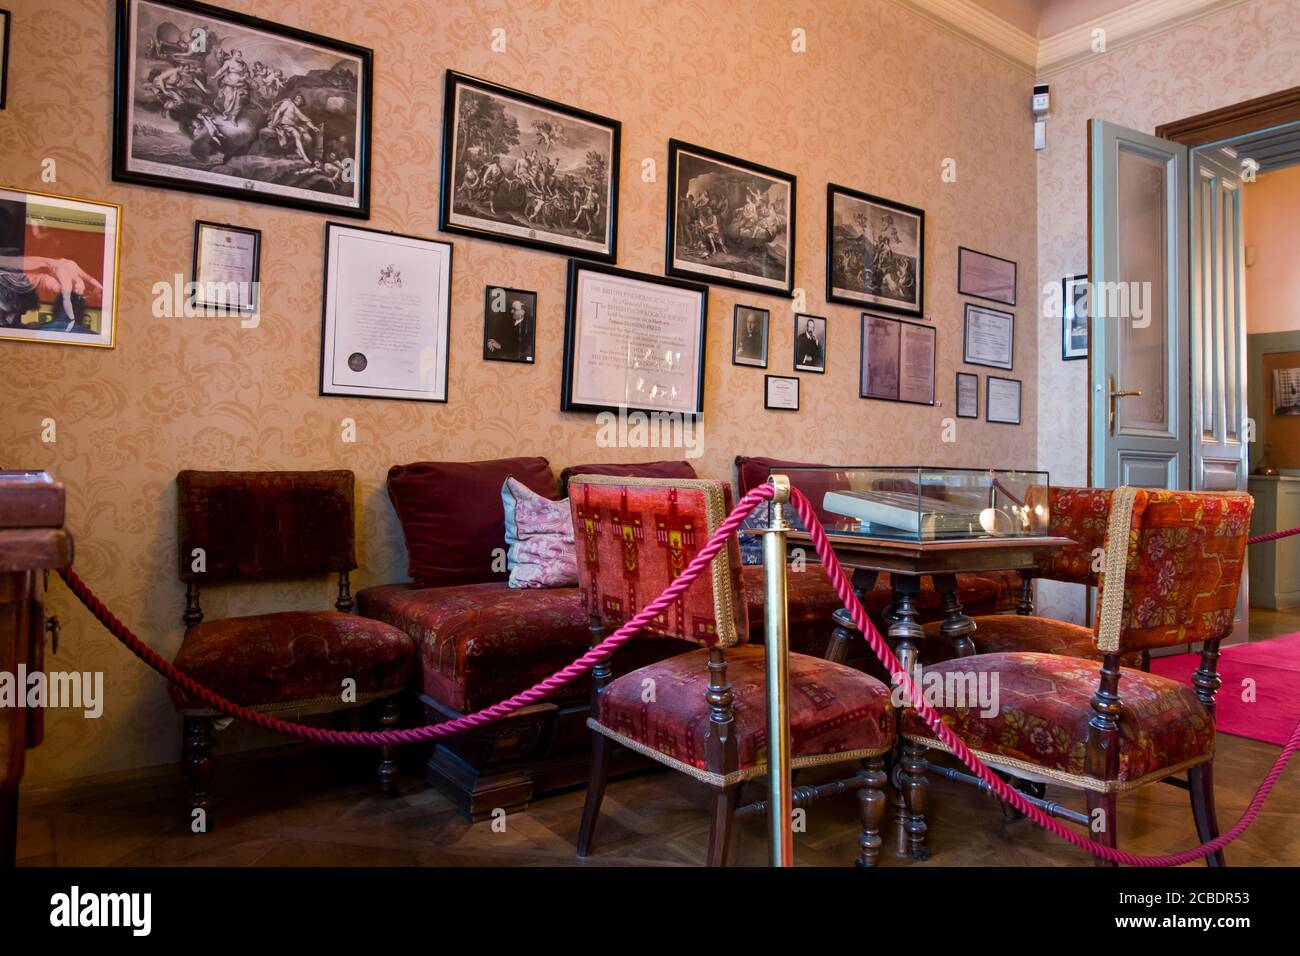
pixel 632 342
pixel 989 337
pixel 781 393
pixel 968 395
pixel 227 268
pixel 809 343
pixel 1003 395
pixel 875 252
pixel 509 324
pixel 730 221
pixel 1286 391
pixel 749 336
pixel 385 315
pixel 212 101
pixel 522 169
pixel 1074 317
pixel 5 18
pixel 58 268
pixel 897 359
pixel 986 277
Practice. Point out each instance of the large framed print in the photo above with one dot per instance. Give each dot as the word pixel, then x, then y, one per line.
pixel 875 252
pixel 212 101
pixel 730 222
pixel 1074 317
pixel 633 342
pixel 986 277
pixel 1003 396
pixel 385 315
pixel 897 360
pixel 58 268
pixel 989 337
pixel 522 169
pixel 227 267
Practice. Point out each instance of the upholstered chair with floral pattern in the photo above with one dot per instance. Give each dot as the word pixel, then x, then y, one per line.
pixel 1171 571
pixel 702 713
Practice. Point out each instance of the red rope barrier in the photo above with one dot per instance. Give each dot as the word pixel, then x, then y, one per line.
pixel 1272 536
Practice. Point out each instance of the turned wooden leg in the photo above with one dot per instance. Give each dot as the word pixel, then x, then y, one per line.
pixel 914 790
pixel 838 647
pixel 198 764
pixel 957 626
pixel 1200 784
pixel 871 806
pixel 388 752
pixel 602 749
pixel 720 825
pixel 900 806
pixel 1102 822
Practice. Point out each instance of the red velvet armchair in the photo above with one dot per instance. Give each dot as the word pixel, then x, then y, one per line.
pixel 702 713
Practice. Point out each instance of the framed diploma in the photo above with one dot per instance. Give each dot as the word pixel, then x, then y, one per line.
pixel 384 322
pixel 968 395
pixel 632 342
pixel 985 276
pixel 897 360
pixel 781 393
pixel 990 337
pixel 227 266
pixel 1003 401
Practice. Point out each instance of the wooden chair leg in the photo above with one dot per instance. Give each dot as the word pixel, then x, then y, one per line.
pixel 871 806
pixel 720 825
pixel 1200 784
pixel 198 765
pixel 388 719
pixel 602 749
pixel 914 790
pixel 1108 834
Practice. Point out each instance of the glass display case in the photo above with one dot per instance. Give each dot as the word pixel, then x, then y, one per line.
pixel 924 504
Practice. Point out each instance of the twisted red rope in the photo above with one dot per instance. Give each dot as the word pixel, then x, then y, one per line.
pixel 1272 536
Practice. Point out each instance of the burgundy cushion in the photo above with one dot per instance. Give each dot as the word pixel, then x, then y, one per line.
pixel 1026 632
pixel 293 656
pixel 645 469
pixel 452 516
pixel 752 472
pixel 833 709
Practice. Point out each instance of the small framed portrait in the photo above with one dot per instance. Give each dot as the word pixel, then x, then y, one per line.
pixel 875 252
pixel 990 337
pixel 749 336
pixel 730 221
pixel 1286 391
pixel 227 268
pixel 986 277
pixel 809 343
pixel 5 17
pixel 897 360
pixel 1003 396
pixel 1074 317
pixel 509 324
pixel 781 393
pixel 968 395
pixel 58 269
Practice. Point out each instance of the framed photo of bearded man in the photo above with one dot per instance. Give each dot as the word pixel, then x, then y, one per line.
pixel 211 101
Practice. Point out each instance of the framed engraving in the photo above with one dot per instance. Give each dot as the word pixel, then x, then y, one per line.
pixel 986 277
pixel 781 393
pixel 897 359
pixel 875 252
pixel 989 337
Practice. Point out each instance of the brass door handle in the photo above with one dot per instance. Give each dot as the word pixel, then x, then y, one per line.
pixel 1115 397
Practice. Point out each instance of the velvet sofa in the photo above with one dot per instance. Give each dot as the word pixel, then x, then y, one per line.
pixel 479 640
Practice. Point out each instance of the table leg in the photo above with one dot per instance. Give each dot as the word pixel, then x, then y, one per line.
pixel 1025 606
pixel 957 626
pixel 905 634
pixel 838 648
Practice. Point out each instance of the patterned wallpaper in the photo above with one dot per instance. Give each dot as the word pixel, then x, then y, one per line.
pixel 878 101
pixel 1243 52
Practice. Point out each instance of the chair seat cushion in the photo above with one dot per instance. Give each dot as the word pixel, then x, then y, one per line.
pixel 836 712
pixel 997 633
pixel 294 656
pixel 1044 705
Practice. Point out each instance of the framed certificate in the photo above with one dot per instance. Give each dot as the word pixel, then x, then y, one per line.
pixel 985 276
pixel 989 338
pixel 781 393
pixel 227 266
pixel 897 360
pixel 968 395
pixel 632 342
pixel 384 322
pixel 1003 401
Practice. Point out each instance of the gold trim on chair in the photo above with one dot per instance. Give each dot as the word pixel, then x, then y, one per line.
pixel 1110 619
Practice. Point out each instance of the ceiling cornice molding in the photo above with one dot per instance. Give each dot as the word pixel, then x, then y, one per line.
pixel 968 19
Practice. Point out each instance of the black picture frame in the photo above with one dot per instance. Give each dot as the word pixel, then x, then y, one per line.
pixel 1070 353
pixel 460 221
pixel 767 404
pixel 961 284
pixel 801 319
pixel 988 400
pixel 223 308
pixel 489 309
pixel 8 19
pixel 838 292
pixel 898 363
pixel 576 267
pixel 735 335
pixel 965 341
pixel 714 275
pixel 975 412
pixel 186 179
